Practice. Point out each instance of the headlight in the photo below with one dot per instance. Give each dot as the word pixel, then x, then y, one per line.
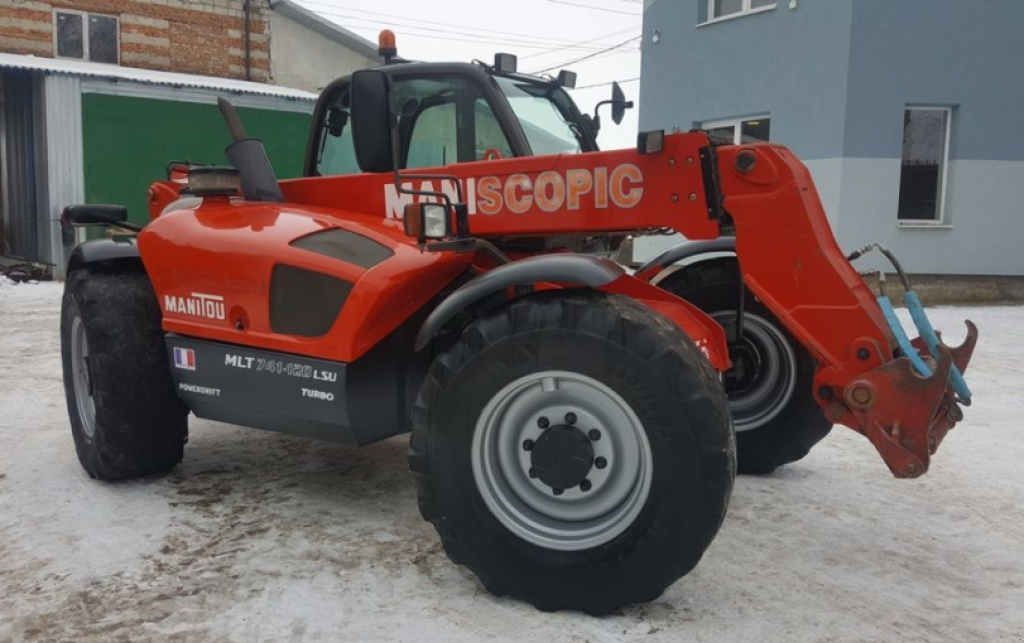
pixel 435 221
pixel 427 221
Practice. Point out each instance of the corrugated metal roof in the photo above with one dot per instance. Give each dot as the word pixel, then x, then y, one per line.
pixel 145 76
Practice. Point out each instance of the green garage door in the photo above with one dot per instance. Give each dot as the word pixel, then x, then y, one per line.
pixel 127 143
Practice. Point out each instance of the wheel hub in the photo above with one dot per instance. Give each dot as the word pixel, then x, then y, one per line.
pixel 763 378
pixel 561 460
pixel 562 457
pixel 746 367
pixel 81 377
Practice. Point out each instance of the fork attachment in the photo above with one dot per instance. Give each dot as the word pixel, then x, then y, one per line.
pixel 904 395
pixel 906 414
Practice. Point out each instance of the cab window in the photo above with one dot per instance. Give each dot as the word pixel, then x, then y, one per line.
pixel 336 154
pixel 441 120
pixel 446 120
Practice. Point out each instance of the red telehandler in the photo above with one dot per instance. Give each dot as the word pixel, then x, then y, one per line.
pixel 442 269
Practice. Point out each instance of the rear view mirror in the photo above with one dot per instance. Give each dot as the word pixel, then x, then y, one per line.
pixel 337 119
pixel 83 215
pixel 76 216
pixel 619 103
pixel 372 116
pixel 619 106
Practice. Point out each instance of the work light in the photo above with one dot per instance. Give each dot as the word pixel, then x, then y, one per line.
pixel 427 221
pixel 435 221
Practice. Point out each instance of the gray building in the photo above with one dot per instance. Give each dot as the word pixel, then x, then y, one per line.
pixel 909 113
pixel 307 51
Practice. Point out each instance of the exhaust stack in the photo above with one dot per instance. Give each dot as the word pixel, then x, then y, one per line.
pixel 250 157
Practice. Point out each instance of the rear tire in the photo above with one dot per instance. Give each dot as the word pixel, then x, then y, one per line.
pixel 526 519
pixel 786 422
pixel 125 417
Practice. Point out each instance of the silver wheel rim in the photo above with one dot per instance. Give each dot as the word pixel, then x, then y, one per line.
pixel 766 395
pixel 80 378
pixel 589 514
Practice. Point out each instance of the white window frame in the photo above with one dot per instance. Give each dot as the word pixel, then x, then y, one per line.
pixel 735 123
pixel 940 220
pixel 746 10
pixel 85 35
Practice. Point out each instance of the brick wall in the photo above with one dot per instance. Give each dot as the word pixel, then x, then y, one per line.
pixel 191 36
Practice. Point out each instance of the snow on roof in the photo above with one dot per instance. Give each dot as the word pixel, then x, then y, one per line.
pixel 146 76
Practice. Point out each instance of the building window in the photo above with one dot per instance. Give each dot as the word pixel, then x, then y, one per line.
pixel 925 160
pixel 740 130
pixel 727 8
pixel 86 36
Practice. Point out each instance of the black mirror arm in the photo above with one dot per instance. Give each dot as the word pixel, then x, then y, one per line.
pixel 128 225
pixel 626 104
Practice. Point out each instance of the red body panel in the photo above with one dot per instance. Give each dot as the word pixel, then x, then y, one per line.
pixel 229 250
pixel 579 193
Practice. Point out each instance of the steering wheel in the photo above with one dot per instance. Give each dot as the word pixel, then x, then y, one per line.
pixel 492 154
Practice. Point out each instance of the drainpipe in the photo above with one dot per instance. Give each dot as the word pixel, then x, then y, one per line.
pixel 248 38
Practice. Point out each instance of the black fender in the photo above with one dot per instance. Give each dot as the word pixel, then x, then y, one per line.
pixel 105 253
pixel 584 270
pixel 687 249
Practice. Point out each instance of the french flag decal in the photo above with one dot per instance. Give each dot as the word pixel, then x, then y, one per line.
pixel 185 358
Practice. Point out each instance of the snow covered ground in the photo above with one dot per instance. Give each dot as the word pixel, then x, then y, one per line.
pixel 264 537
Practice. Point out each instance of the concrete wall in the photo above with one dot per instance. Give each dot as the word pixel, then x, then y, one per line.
pixel 965 55
pixel 835 77
pixel 304 59
pixel 789 64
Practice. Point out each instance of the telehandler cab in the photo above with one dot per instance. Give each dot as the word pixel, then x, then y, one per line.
pixel 443 270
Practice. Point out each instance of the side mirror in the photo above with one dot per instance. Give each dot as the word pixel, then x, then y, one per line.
pixel 372 119
pixel 619 103
pixel 77 216
pixel 337 119
pixel 619 106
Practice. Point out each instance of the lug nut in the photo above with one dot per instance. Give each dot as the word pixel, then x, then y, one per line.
pixel 527 445
pixel 585 485
pixel 600 463
pixel 543 423
pixel 570 418
pixel 533 474
pixel 594 435
pixel 558 492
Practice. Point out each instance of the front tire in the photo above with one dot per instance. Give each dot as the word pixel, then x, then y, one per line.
pixel 573 450
pixel 770 387
pixel 126 420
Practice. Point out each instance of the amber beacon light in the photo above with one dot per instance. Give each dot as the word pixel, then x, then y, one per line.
pixel 386 46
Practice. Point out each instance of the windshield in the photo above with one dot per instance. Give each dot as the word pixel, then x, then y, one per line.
pixel 543 110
